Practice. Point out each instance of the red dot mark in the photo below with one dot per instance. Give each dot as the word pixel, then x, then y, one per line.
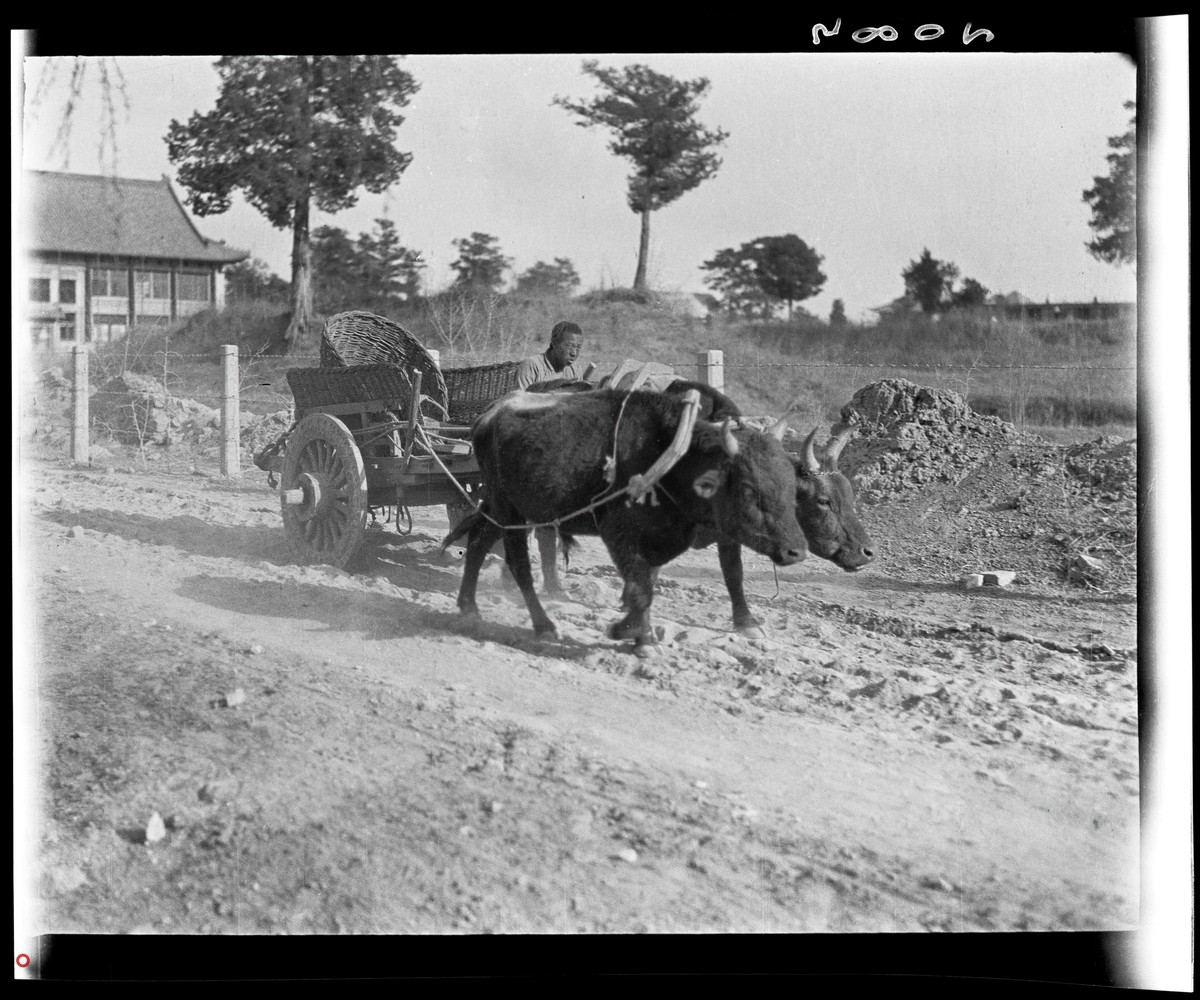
pixel 22 960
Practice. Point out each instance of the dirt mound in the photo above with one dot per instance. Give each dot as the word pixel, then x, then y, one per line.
pixel 910 435
pixel 136 409
pixel 947 491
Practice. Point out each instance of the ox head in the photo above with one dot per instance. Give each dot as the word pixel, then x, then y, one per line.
pixel 749 481
pixel 825 505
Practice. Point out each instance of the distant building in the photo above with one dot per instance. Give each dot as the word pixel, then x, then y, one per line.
pixel 104 254
pixel 1016 307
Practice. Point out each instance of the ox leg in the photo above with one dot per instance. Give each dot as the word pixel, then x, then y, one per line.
pixel 636 596
pixel 730 556
pixel 516 552
pixel 548 550
pixel 482 537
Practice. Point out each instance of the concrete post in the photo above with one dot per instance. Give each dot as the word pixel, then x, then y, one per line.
pixel 230 416
pixel 80 443
pixel 712 369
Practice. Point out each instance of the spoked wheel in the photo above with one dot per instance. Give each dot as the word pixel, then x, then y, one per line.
pixel 324 491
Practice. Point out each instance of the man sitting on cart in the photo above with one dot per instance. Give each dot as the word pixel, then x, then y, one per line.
pixel 557 361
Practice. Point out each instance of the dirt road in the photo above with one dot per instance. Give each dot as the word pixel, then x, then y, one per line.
pixel 335 752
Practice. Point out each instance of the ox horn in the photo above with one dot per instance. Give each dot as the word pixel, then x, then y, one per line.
pixel 842 433
pixel 776 429
pixel 728 441
pixel 810 454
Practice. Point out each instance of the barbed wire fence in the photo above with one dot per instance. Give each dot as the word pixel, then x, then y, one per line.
pixel 166 403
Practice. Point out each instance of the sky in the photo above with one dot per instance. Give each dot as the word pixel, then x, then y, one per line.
pixel 868 157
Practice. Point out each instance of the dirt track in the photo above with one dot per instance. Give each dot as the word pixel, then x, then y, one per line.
pixel 892 753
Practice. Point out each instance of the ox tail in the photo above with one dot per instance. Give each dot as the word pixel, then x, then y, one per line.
pixel 464 526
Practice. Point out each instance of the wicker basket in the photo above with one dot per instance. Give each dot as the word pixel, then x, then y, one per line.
pixel 360 338
pixel 471 390
pixel 317 387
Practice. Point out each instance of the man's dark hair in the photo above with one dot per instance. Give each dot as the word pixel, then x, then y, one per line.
pixel 564 328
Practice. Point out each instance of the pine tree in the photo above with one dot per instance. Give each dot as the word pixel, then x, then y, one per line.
pixel 291 132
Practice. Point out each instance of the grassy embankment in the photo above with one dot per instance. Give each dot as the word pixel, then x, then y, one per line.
pixel 1056 378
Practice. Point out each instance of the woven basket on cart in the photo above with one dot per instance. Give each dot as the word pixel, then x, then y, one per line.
pixel 470 391
pixel 362 338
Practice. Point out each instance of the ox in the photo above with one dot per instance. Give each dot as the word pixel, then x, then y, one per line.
pixel 824 503
pixel 546 457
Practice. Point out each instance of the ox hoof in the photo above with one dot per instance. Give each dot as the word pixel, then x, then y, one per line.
pixel 644 651
pixel 547 631
pixel 556 593
pixel 471 612
pixel 624 629
pixel 746 623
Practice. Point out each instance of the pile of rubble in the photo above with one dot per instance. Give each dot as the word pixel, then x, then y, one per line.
pixel 910 435
pixel 952 491
pixel 137 410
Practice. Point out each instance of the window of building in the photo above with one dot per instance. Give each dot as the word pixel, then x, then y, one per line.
pixel 66 329
pixel 193 287
pixel 39 289
pixel 110 282
pixel 106 327
pixel 41 334
pixel 66 290
pixel 153 284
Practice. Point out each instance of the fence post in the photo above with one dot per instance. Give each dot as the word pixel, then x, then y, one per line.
pixel 230 422
pixel 434 353
pixel 80 443
pixel 712 369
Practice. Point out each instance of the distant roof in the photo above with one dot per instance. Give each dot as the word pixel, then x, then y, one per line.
pixel 115 216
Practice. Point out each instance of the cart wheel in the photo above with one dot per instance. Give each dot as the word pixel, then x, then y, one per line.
pixel 324 491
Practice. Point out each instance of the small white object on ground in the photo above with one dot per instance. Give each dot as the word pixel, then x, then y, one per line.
pixel 156 829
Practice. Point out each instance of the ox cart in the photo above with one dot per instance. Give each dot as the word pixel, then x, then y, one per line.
pixel 377 426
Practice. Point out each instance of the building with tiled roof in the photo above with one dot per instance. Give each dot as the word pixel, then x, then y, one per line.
pixel 104 254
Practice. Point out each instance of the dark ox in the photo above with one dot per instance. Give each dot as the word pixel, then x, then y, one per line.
pixel 544 457
pixel 824 503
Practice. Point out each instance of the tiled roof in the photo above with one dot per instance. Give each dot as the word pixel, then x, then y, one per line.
pixel 118 216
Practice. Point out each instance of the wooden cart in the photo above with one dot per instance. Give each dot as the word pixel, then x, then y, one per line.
pixel 386 434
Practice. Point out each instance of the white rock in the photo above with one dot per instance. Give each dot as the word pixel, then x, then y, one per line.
pixel 235 698
pixel 156 829
pixel 628 854
pixel 999 578
pixel 972 581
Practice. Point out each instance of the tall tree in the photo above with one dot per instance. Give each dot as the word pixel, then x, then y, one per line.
pixel 372 272
pixel 764 271
pixel 336 270
pixel 391 271
pixel 787 267
pixel 733 277
pixel 1114 199
pixel 558 280
pixel 928 281
pixel 291 132
pixel 653 120
pixel 837 313
pixel 480 265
